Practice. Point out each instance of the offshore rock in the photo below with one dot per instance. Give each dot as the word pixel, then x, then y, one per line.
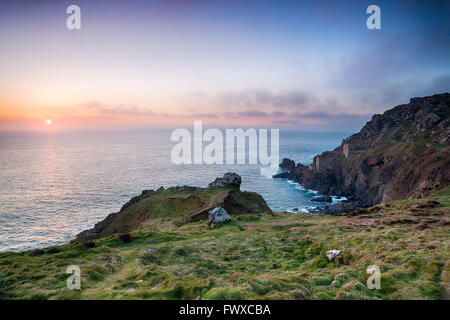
pixel 287 164
pixel 322 199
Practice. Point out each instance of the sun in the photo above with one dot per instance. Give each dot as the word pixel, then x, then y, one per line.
pixel 48 122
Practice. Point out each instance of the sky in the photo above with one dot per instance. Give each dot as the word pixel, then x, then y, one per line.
pixel 306 65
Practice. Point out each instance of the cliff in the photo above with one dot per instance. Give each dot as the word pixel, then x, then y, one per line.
pixel 401 154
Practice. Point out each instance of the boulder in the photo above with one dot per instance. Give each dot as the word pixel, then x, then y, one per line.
pixel 322 199
pixel 332 254
pixel 230 179
pixel 342 207
pixel 287 164
pixel 218 215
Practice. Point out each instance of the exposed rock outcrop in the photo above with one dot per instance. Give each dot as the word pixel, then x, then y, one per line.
pixel 287 164
pixel 342 207
pixel 322 199
pixel 401 154
pixel 229 179
pixel 181 203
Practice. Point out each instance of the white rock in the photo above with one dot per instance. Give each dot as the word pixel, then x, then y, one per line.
pixel 333 254
pixel 218 215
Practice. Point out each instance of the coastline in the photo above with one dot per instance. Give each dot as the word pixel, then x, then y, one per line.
pixel 400 154
pixel 56 205
pixel 313 208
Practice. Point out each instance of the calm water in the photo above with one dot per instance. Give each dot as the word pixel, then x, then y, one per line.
pixel 54 185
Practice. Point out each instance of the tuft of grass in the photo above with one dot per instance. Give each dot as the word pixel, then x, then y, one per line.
pixel 227 293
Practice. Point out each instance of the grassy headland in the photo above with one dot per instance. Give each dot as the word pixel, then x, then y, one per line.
pixel 255 256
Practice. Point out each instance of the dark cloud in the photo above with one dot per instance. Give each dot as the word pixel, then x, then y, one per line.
pixel 309 119
pixel 104 110
pixel 286 123
pixel 203 115
pixel 389 68
pixel 264 98
pixel 278 114
pixel 116 110
pixel 252 114
pixel 330 116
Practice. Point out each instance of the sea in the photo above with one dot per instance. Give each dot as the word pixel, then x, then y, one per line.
pixel 55 184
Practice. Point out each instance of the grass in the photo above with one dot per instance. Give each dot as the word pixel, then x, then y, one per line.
pixel 265 256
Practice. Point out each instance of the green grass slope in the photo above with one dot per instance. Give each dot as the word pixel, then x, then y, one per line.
pixel 255 256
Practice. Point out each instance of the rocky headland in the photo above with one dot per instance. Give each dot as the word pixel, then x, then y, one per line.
pixel 182 203
pixel 400 154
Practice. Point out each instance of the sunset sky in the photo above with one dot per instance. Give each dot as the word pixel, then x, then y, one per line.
pixel 309 65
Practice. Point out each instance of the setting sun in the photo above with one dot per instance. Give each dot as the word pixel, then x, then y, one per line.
pixel 48 121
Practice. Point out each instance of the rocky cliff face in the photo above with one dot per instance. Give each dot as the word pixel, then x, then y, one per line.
pixel 401 154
